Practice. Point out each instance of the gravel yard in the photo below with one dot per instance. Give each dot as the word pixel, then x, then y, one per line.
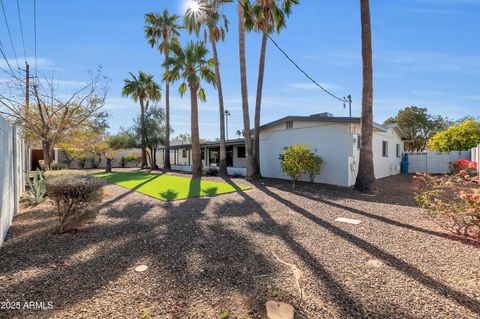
pixel 236 251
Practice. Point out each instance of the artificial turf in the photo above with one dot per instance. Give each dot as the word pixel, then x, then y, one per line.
pixel 168 187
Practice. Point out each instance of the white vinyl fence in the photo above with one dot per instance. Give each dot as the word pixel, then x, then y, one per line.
pixel 14 168
pixel 476 156
pixel 434 162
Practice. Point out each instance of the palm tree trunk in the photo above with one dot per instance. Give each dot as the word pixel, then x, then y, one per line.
pixel 258 104
pixel 223 151
pixel 243 79
pixel 167 166
pixel 196 155
pixel 142 130
pixel 109 165
pixel 366 173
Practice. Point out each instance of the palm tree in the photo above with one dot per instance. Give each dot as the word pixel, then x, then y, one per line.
pixel 266 16
pixel 191 65
pixel 243 81
pixel 160 31
pixel 142 88
pixel 208 13
pixel 366 174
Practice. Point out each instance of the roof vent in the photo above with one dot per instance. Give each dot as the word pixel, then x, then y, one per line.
pixel 324 114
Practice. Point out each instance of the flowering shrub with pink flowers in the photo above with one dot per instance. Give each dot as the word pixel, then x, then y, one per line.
pixel 464 167
pixel 452 201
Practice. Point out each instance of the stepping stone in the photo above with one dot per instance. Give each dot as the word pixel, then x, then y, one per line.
pixel 141 268
pixel 348 220
pixel 279 310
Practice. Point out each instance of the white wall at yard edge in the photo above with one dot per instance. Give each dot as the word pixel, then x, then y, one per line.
pixel 328 140
pixel 6 178
pixel 434 162
pixel 13 172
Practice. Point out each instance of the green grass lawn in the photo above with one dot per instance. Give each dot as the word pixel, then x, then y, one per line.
pixel 168 187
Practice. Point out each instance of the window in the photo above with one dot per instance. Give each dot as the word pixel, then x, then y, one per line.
pixel 398 150
pixel 202 154
pixel 359 142
pixel 184 153
pixel 384 148
pixel 241 152
pixel 289 125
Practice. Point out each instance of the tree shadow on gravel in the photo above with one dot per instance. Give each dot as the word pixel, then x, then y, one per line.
pixel 400 265
pixel 338 294
pixel 69 278
pixel 393 190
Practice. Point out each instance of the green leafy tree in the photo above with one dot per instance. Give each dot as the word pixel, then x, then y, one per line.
pixel 418 126
pixel 298 160
pixel 191 65
pixel 266 16
pixel 460 137
pixel 161 31
pixel 216 25
pixel 142 88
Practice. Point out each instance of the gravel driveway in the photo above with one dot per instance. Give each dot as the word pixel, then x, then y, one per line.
pixel 236 251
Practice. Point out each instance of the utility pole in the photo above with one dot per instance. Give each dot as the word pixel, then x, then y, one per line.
pixel 27 89
pixel 227 114
pixel 350 104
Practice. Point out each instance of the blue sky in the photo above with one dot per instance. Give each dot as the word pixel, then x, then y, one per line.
pixel 426 53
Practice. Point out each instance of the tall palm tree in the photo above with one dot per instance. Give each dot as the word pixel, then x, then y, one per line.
pixel 191 65
pixel 366 174
pixel 161 30
pixel 244 85
pixel 208 13
pixel 266 16
pixel 142 88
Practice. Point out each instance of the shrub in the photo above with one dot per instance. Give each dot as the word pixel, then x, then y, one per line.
pixel 313 165
pixel 130 158
pixel 464 167
pixel 209 171
pixel 452 201
pixel 75 197
pixel 37 190
pixel 298 160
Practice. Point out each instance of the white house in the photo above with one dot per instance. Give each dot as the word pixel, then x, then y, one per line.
pixel 335 139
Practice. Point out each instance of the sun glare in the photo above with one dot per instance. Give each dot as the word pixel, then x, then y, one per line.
pixel 194 6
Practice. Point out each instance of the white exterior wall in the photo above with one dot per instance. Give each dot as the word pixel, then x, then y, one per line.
pixel 238 162
pixel 327 139
pixel 383 166
pixel 14 168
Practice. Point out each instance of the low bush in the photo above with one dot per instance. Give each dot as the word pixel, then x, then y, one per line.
pixel 464 167
pixel 452 201
pixel 36 188
pixel 130 158
pixel 75 197
pixel 298 160
pixel 209 171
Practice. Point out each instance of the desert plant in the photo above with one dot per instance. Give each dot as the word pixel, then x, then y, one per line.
pixel 298 160
pixel 37 190
pixel 452 201
pixel 75 196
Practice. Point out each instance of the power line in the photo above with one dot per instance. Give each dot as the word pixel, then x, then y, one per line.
pixel 9 33
pixel 21 31
pixel 2 52
pixel 35 32
pixel 344 100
